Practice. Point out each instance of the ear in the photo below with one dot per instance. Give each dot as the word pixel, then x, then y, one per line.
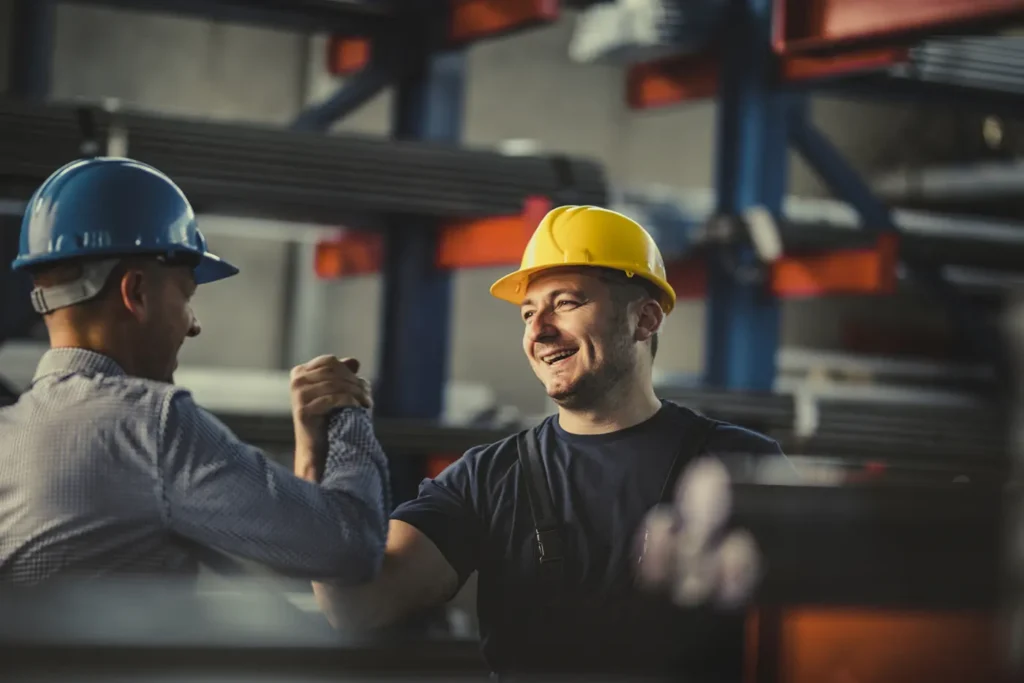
pixel 135 293
pixel 649 319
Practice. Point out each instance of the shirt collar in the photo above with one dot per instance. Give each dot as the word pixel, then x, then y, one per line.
pixel 64 360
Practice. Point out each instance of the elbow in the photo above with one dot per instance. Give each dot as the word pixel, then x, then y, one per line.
pixel 371 562
pixel 361 560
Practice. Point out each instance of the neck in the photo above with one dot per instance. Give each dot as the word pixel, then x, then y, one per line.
pixel 624 406
pixel 94 339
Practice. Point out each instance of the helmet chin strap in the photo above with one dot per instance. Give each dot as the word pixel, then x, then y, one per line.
pixel 94 277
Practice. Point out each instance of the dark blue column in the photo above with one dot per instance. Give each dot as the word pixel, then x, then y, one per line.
pixel 742 314
pixel 413 366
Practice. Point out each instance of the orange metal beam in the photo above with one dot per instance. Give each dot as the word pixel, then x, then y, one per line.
pixel 471 20
pixel 695 76
pixel 347 55
pixel 848 271
pixel 495 241
pixel 798 68
pixel 479 243
pixel 478 19
pixel 877 646
pixel 350 254
pixel 672 79
pixel 500 241
pixel 467 244
pixel 816 25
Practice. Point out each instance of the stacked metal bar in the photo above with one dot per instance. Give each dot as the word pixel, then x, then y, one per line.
pixel 866 431
pixel 987 63
pixel 952 438
pixel 288 175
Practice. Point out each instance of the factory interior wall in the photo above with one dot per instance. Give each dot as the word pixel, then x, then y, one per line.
pixel 522 86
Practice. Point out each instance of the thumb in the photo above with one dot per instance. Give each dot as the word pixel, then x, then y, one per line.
pixel 351 363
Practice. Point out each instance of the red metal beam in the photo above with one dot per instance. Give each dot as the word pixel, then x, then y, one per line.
pixel 803 26
pixel 471 20
pixel 478 19
pixel 347 55
pixel 869 272
pixel 672 79
pixel 682 78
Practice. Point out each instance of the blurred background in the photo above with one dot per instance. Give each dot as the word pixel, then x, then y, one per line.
pixel 837 187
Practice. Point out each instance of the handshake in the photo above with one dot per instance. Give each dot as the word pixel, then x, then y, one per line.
pixel 319 387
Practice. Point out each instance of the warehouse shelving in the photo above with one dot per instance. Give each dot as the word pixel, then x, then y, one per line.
pixel 416 232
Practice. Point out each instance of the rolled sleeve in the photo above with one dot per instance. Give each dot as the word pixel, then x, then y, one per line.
pixel 227 495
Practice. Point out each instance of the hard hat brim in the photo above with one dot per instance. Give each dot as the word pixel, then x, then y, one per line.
pixel 212 268
pixel 512 287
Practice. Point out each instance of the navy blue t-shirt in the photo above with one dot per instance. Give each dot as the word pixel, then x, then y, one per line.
pixel 478 514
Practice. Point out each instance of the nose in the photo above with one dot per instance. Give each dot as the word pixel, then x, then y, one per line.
pixel 540 329
pixel 195 328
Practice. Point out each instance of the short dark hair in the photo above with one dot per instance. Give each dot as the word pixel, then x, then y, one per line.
pixel 626 290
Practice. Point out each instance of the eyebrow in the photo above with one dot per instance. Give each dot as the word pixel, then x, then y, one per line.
pixel 555 294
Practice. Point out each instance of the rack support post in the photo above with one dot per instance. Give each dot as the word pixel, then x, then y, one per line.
pixel 32 48
pixel 413 367
pixel 742 326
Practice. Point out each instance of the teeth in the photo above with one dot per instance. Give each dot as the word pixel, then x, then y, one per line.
pixel 558 356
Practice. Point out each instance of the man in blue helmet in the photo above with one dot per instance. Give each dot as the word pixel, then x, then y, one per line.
pixel 106 467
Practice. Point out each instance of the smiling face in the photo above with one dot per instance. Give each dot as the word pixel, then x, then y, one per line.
pixel 580 338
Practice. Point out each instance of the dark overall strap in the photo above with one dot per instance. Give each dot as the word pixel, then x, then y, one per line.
pixel 693 443
pixel 550 545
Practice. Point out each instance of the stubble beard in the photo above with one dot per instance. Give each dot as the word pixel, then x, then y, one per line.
pixel 597 389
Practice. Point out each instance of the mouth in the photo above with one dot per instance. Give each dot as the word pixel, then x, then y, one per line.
pixel 556 357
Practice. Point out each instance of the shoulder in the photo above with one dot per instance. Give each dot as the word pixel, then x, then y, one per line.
pixel 729 438
pixel 487 465
pixel 102 397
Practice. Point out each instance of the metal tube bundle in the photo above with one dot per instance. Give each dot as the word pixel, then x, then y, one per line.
pixel 957 440
pixel 290 175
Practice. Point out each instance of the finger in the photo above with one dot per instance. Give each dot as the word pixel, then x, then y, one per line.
pixel 318 362
pixel 358 391
pixel 696 577
pixel 325 404
pixel 352 364
pixel 323 372
pixel 322 405
pixel 657 547
pixel 739 569
pixel 704 500
pixel 308 392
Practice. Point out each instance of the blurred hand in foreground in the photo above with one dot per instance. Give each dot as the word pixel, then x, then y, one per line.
pixel 687 549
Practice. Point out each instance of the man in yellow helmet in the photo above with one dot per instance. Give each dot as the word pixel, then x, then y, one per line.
pixel 549 518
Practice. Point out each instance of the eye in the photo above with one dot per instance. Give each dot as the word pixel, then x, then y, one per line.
pixel 527 315
pixel 562 303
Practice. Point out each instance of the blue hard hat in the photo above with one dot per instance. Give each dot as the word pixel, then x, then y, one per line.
pixel 109 207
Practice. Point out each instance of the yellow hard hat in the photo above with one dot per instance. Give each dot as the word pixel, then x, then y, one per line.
pixel 588 236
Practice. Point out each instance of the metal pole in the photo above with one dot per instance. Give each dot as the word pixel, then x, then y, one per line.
pixel 32 48
pixel 742 314
pixel 413 366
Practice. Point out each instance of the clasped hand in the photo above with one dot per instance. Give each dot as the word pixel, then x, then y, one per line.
pixel 318 387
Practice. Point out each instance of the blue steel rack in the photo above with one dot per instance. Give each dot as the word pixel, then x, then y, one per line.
pixel 761 65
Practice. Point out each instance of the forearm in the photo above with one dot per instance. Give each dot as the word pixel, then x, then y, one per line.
pixel 357 469
pixel 227 496
pixel 414 577
pixel 365 607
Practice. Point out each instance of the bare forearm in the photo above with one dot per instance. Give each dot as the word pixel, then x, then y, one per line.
pixel 414 577
pixel 359 608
